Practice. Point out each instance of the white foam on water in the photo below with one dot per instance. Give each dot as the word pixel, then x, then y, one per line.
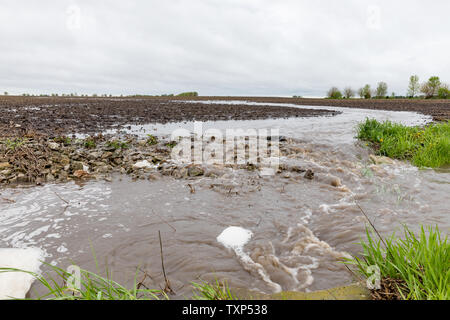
pixel 235 237
pixel 17 284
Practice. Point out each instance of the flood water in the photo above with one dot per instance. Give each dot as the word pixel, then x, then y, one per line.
pixel 294 229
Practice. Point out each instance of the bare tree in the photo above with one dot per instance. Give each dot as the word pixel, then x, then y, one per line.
pixel 349 93
pixel 413 86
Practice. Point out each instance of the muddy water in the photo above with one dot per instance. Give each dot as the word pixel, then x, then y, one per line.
pixel 296 228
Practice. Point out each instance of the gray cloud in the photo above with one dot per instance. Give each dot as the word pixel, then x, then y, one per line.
pixel 220 47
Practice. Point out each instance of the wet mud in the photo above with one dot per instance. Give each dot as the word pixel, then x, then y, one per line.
pixel 60 116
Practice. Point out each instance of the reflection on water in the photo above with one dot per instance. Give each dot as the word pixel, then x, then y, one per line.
pixel 293 230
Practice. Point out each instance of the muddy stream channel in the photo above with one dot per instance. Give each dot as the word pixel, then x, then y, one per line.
pixel 289 231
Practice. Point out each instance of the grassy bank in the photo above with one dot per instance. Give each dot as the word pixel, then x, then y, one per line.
pixel 92 286
pixel 424 147
pixel 412 268
pixel 62 286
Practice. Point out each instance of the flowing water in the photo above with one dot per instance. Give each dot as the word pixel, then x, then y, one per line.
pixel 266 233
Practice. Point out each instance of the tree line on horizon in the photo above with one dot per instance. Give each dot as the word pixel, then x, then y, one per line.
pixel 94 95
pixel 433 88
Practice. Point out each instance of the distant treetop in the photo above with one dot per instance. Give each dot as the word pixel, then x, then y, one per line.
pixel 188 94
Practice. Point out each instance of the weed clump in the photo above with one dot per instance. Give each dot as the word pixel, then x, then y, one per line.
pixel 13 144
pixel 171 144
pixel 117 144
pixel 215 291
pixel 152 140
pixel 89 143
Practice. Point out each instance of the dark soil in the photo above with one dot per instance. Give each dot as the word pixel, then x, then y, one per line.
pixel 59 116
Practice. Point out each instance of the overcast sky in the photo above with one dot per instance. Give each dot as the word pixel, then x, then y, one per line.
pixel 220 47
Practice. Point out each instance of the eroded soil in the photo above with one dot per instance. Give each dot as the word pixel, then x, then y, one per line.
pixel 58 116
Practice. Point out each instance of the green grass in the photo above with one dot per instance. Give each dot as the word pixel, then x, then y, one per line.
pixel 13 144
pixel 171 144
pixel 93 287
pixel 421 262
pixel 424 147
pixel 117 144
pixel 152 140
pixel 89 143
pixel 216 291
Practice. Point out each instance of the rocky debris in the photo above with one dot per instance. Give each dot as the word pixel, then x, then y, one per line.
pixel 40 159
pixel 213 172
pixel 78 166
pixel 181 171
pixel 144 164
pixel 292 167
pixel 309 174
pixel 329 179
pixel 80 174
pixel 195 171
pixel 381 159
pixel 21 178
pixel 336 182
pixel 53 146
pixel 297 169
pixel 4 165
pixel 6 172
